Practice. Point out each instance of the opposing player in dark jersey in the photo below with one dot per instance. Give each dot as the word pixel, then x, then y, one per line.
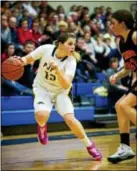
pixel 122 26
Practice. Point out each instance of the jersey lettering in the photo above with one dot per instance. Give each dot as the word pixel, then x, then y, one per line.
pixel 49 75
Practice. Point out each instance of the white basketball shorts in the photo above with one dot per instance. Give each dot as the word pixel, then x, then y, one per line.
pixel 44 101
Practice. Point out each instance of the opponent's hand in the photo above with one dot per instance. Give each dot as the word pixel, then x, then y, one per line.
pixel 113 79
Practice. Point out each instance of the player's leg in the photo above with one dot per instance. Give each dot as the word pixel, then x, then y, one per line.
pixel 124 151
pixel 43 107
pixel 41 119
pixel 65 108
pixel 128 106
pixel 123 120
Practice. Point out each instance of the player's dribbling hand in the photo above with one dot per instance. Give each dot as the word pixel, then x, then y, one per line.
pixel 113 79
pixel 18 57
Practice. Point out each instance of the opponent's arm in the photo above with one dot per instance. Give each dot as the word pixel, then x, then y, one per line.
pixel 134 37
pixel 125 72
pixel 122 73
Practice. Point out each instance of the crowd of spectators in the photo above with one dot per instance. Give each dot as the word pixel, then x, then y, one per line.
pixel 27 25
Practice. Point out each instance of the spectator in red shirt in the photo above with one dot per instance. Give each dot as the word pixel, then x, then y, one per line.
pixel 35 31
pixel 24 33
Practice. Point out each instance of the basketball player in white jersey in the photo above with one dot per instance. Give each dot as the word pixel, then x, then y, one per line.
pixel 51 86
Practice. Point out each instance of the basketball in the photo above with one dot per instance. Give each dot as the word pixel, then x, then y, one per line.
pixel 12 68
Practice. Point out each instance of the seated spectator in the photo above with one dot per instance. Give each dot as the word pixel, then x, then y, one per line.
pixel 108 11
pixel 73 8
pixel 53 22
pixel 35 31
pixel 60 9
pixel 5 8
pixel 86 29
pixel 61 17
pixel 44 6
pixel 102 52
pixel 69 19
pixel 102 13
pixel 28 76
pixel 15 13
pixel 14 34
pixel 96 11
pixel 75 17
pixel 43 14
pixel 43 23
pixel 63 27
pixel 97 20
pixel 109 17
pixel 28 6
pixel 26 15
pixel 48 36
pixel 79 12
pixel 29 46
pixel 93 27
pixel 85 11
pixel 36 6
pixel 9 51
pixel 113 51
pixel 87 38
pixel 114 91
pixel 86 20
pixel 72 28
pixel 5 32
pixel 110 35
pixel 24 33
pixel 86 63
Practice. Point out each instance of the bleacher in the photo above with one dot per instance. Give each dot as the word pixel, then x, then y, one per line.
pixel 18 110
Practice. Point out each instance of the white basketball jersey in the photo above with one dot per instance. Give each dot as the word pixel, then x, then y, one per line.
pixel 47 77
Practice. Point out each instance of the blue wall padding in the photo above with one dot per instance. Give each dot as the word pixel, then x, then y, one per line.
pixel 25 117
pixel 101 101
pixel 10 103
pixel 101 76
pixel 85 88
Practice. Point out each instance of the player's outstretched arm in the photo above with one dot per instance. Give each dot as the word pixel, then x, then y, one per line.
pixel 123 73
pixel 27 60
pixel 33 56
pixel 134 38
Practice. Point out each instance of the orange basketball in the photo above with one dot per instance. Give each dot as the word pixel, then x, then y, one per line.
pixel 12 68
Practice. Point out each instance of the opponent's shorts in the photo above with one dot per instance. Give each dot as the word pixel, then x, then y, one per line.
pixel 44 101
pixel 133 89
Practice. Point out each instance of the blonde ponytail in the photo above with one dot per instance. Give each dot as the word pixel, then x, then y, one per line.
pixel 77 56
pixel 56 43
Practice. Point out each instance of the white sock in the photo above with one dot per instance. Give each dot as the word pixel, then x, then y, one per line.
pixel 86 141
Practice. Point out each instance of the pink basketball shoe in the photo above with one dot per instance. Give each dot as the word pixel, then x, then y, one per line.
pixel 93 151
pixel 42 134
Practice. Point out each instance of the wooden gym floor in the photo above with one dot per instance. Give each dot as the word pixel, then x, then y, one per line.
pixel 63 152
